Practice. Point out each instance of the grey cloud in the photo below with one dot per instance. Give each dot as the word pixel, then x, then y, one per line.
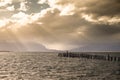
pixel 34 7
pixel 104 8
pixel 101 30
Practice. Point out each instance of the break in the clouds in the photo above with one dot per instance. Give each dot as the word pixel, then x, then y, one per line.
pixel 60 24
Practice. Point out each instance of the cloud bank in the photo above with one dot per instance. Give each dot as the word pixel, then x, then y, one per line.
pixel 63 24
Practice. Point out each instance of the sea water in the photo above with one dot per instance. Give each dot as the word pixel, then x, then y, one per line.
pixel 48 66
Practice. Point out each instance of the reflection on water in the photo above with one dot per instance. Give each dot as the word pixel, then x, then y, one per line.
pixel 48 66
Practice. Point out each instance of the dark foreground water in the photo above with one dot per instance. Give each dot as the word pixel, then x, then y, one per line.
pixel 48 66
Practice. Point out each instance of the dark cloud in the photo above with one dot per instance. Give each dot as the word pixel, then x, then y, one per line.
pixel 101 30
pixel 104 8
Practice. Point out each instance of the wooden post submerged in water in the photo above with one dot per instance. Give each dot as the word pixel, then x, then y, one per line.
pixel 88 56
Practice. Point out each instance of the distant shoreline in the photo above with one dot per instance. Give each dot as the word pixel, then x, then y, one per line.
pixel 5 51
pixel 68 51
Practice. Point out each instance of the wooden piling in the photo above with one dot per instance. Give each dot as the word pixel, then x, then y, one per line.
pixel 88 56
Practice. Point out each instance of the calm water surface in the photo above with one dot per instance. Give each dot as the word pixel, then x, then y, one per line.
pixel 48 66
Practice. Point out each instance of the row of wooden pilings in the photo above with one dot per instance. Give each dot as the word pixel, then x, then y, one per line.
pixel 89 56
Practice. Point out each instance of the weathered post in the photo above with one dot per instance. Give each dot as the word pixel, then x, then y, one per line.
pixel 118 58
pixel 108 57
pixel 115 58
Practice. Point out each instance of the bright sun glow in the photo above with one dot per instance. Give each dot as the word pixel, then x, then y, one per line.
pixel 3 23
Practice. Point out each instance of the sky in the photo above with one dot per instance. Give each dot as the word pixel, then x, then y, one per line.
pixel 59 24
